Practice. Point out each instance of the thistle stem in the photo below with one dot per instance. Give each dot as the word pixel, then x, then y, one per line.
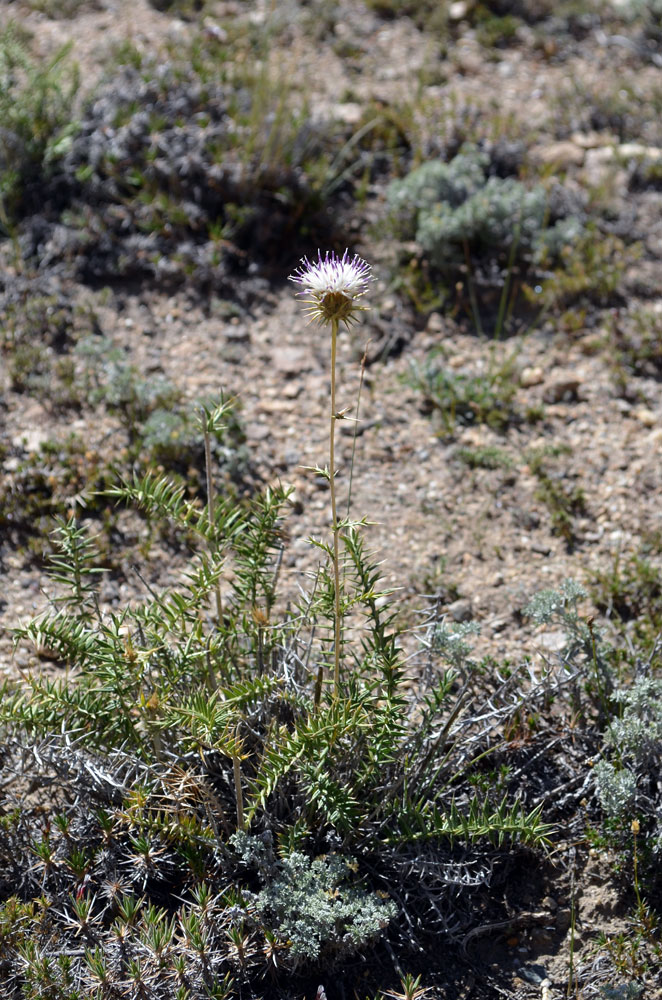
pixel 334 515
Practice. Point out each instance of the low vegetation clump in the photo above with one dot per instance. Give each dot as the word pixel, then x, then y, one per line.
pixel 223 778
pixel 205 813
pixel 199 774
pixel 477 229
pixel 178 171
pixel 36 109
pixel 467 398
pixel 636 340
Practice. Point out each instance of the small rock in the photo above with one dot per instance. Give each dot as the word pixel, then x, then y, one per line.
pixel 290 361
pixel 257 432
pixel 460 610
pixel 592 343
pixel 237 334
pixel 458 10
pixel 559 154
pixel 435 324
pixel 636 150
pixel 31 440
pixel 553 640
pixel 349 112
pixel 645 417
pixel 563 391
pixel 535 974
pixel 599 164
pixel 563 919
pixel 550 903
pixel 600 156
pixel 214 31
pixel 593 140
pixel 531 376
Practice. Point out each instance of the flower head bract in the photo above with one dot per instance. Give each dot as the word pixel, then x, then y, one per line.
pixel 332 286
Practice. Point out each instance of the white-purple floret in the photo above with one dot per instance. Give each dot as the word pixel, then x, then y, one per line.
pixel 332 285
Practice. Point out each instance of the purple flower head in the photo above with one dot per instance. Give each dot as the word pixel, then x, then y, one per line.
pixel 332 286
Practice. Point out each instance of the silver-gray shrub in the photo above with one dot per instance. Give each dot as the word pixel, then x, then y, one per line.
pixel 634 742
pixel 616 789
pixel 583 646
pixel 450 642
pixel 549 605
pixel 626 778
pixel 636 736
pixel 448 206
pixel 312 903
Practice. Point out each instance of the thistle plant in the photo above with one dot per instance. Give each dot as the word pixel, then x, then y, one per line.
pixel 332 288
pixel 207 815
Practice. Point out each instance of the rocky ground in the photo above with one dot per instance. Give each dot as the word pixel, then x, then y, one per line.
pixel 462 513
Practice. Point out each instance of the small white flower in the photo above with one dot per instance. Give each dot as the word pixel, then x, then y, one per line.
pixel 332 286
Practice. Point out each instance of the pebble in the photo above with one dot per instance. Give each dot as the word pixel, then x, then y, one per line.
pixel 636 150
pixel 564 390
pixel 257 432
pixel 458 10
pixel 237 334
pixel 592 140
pixel 292 361
pixel 535 974
pixel 461 610
pixel 560 154
pixel 553 640
pixel 645 417
pixel 531 376
pixel 349 112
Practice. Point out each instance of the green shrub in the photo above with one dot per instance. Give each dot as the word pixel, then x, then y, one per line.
pixel 193 717
pixel 462 398
pixel 487 457
pixel 36 110
pixel 630 590
pixel 564 502
pixel 636 340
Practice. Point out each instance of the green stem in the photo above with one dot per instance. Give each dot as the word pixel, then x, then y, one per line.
pixel 334 515
pixel 211 513
pixel 364 361
pixel 640 907
pixel 239 795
